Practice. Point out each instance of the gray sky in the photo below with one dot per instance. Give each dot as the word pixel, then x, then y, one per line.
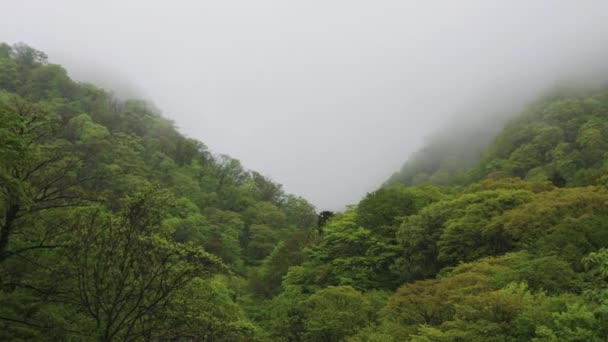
pixel 326 97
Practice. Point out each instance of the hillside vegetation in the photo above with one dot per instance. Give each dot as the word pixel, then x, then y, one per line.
pixel 115 227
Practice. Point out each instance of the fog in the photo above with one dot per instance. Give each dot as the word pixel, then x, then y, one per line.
pixel 328 98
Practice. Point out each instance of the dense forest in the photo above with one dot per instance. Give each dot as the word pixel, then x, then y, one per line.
pixel 115 227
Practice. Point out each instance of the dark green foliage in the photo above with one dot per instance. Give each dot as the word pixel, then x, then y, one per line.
pixel 324 216
pixel 380 210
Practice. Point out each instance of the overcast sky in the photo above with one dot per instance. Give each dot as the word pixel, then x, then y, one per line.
pixel 326 97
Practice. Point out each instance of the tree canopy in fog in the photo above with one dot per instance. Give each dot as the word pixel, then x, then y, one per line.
pixel 122 218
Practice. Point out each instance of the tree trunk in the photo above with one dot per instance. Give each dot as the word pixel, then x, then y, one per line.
pixel 11 216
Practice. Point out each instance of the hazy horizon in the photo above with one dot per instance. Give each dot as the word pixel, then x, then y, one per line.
pixel 326 98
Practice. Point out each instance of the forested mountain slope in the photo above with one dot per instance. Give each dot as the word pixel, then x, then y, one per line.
pixel 458 146
pixel 513 250
pixel 115 227
pixel 562 139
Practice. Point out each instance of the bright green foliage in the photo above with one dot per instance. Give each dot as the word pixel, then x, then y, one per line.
pixel 335 312
pixel 339 259
pixel 127 269
pixel 511 255
pixel 549 273
pixel 349 255
pixel 598 262
pixel 535 219
pixel 563 140
pixel 204 310
pixel 115 227
pixel 465 236
pixel 267 282
pixel 454 230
